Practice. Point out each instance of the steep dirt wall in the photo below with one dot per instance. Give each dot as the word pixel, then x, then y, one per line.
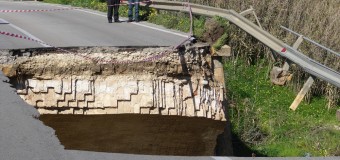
pixel 117 81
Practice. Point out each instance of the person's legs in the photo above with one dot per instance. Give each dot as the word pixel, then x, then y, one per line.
pixel 116 10
pixel 130 9
pixel 109 13
pixel 137 10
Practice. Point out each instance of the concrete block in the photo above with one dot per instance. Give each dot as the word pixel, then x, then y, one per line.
pixel 164 111
pixel 56 84
pixel 40 104
pixel 94 111
pixel 89 97
pixel 82 104
pixel 72 103
pixel 90 104
pixel 47 111
pixel 78 111
pixel 145 110
pixel 83 86
pixel 146 100
pixel 67 85
pixel 111 111
pixel 136 109
pixel 66 111
pixel 154 110
pixel 172 111
pixel 108 101
pixel 125 107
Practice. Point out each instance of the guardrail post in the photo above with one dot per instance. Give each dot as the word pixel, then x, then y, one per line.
pixel 276 72
pixel 307 84
pixel 302 93
pixel 251 11
pixel 248 11
pixel 295 46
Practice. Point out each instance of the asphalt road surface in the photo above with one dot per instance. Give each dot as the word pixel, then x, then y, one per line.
pixel 76 27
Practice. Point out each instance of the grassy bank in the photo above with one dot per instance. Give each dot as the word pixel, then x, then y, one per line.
pixel 261 116
pixel 259 110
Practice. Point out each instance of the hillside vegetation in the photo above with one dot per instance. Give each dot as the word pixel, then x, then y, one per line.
pixel 259 111
pixel 315 19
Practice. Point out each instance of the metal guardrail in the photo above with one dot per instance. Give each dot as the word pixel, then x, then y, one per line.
pixel 314 68
pixel 310 40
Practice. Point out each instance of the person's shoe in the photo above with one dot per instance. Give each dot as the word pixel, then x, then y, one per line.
pixel 130 20
pixel 118 21
pixel 110 21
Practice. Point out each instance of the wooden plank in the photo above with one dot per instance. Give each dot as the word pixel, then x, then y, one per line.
pixel 248 11
pixel 302 93
pixel 298 42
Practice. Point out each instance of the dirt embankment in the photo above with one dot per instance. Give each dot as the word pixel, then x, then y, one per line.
pixel 106 61
pixel 116 81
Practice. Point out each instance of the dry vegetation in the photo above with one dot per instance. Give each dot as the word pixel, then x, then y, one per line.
pixel 316 19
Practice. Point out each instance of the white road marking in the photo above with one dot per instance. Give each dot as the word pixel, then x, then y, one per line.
pixel 29 35
pixel 221 158
pixel 139 24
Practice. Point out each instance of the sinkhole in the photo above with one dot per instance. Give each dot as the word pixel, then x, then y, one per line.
pixel 139 134
pixel 151 101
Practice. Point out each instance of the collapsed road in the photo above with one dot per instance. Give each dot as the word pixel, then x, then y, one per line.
pixel 106 80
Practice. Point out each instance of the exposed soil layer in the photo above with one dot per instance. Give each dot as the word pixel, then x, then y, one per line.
pixel 104 61
pixel 137 134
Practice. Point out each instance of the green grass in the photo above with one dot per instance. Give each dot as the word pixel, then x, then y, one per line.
pixel 178 21
pixel 310 129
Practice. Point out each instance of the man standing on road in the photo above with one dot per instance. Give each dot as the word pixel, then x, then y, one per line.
pixel 113 5
pixel 133 3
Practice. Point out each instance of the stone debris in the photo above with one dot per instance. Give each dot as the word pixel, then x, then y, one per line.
pixel 279 76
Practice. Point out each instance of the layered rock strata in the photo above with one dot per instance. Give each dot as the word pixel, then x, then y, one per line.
pixel 120 81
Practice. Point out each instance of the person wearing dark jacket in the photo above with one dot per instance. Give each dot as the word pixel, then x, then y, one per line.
pixel 113 6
